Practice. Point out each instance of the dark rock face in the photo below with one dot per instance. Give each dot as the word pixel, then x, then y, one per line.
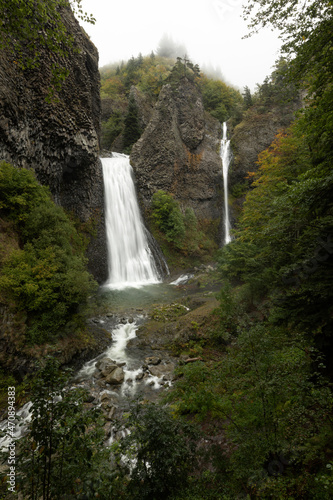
pixel 254 134
pixel 178 152
pixel 144 105
pixel 59 140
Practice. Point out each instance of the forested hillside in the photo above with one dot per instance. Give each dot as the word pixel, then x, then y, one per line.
pixel 247 410
pixel 122 109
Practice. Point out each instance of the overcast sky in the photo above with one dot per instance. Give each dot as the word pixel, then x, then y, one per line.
pixel 212 31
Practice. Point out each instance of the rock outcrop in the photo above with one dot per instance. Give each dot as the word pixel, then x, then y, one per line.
pixel 255 133
pixel 59 139
pixel 178 152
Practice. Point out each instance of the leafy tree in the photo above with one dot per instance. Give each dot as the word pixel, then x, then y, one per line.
pixel 167 216
pixel 275 407
pixel 297 21
pixel 47 277
pixel 306 30
pixel 219 99
pixel 163 449
pixel 179 231
pixel 63 453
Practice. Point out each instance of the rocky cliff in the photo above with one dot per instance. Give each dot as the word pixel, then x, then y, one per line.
pixel 256 132
pixel 59 139
pixel 179 152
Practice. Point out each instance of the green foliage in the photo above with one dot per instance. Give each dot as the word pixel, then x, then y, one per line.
pixel 169 312
pixel 274 413
pixel 19 192
pixel 180 233
pixel 149 74
pixel 63 451
pixel 247 97
pixel 132 130
pixel 111 129
pixel 47 277
pixel 196 391
pixel 221 100
pixel 274 406
pixel 163 448
pixel 278 402
pixel 28 28
pixel 168 218
pixel 239 189
pixel 183 68
pixel 297 22
pixel 228 313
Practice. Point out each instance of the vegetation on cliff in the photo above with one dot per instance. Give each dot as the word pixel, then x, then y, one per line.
pixel 269 396
pixel 259 382
pixel 148 74
pixel 29 28
pixel 184 240
pixel 43 275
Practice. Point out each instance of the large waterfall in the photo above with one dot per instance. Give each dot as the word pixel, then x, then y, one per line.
pixel 226 157
pixel 130 261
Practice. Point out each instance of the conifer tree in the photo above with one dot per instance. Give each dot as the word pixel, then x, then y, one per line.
pixel 132 130
pixel 247 97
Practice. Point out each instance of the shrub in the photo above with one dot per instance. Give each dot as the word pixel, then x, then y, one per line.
pixel 168 217
pixel 47 277
pixel 62 455
pixel 163 448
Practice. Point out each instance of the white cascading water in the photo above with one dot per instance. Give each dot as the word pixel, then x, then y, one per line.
pixel 226 157
pixel 129 258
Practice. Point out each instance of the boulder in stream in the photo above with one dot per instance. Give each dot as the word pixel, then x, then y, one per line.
pixel 116 376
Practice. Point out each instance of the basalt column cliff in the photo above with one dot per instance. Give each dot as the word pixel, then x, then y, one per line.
pixel 178 152
pixel 59 139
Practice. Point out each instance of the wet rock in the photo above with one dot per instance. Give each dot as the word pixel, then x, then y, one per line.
pixel 178 152
pixel 164 371
pixel 110 415
pixel 121 364
pixel 101 383
pixel 104 362
pixel 116 377
pixel 152 360
pixel 105 396
pixel 106 405
pixel 108 368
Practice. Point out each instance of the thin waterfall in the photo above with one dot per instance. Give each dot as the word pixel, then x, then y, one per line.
pixel 226 157
pixel 130 262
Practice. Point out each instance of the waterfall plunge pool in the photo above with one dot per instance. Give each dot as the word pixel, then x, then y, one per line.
pixel 144 297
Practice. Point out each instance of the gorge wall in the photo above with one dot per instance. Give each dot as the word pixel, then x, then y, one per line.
pixel 59 139
pixel 178 152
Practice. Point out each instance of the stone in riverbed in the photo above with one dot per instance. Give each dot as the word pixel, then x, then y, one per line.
pixel 108 368
pixel 116 376
pixel 100 365
pixel 152 360
pixel 162 370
